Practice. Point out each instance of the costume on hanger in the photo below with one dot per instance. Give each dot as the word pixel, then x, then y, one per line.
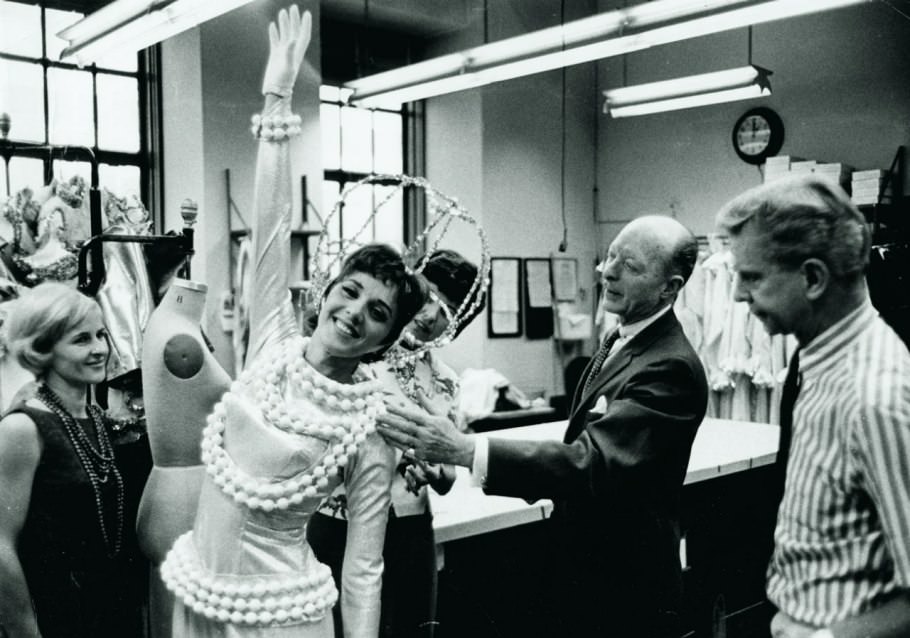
pixel 273 448
pixel 45 230
pixel 240 336
pixel 12 375
pixel 52 260
pixel 125 296
pixel 181 383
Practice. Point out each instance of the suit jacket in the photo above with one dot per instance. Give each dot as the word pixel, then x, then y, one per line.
pixel 617 476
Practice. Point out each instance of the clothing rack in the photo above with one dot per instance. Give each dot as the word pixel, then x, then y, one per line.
pixel 91 255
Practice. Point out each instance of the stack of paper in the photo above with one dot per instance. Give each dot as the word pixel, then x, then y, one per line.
pixel 803 167
pixel 866 187
pixel 777 167
pixel 835 171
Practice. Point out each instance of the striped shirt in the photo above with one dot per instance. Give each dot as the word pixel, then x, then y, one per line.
pixel 842 541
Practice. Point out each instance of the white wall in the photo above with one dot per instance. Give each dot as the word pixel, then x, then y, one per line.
pixel 841 84
pixel 498 149
pixel 454 150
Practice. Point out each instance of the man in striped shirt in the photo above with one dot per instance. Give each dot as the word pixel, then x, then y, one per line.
pixel 841 562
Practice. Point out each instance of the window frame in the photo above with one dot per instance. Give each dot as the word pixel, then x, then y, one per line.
pixel 146 158
pixel 411 160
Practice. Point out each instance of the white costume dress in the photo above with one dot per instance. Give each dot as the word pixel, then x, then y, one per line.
pixel 273 448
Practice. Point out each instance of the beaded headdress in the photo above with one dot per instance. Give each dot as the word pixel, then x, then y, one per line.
pixel 442 210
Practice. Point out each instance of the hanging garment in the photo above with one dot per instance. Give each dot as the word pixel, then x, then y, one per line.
pixel 126 302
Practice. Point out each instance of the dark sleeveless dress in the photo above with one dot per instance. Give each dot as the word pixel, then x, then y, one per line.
pixel 78 591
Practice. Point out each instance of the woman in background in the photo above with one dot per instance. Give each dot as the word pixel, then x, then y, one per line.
pixel 409 580
pixel 69 566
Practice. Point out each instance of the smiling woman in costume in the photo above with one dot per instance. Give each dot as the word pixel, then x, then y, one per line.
pixel 302 409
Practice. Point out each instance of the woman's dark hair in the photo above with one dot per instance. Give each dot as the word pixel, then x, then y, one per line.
pixel 454 275
pixel 385 264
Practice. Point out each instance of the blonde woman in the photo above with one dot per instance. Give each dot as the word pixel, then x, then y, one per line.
pixel 69 566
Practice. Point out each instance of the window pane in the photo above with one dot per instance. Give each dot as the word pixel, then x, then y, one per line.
pixel 356 214
pixel 56 21
pixel 389 221
pixel 388 143
pixel 63 170
pixel 356 140
pixel 329 93
pixel 118 113
pixel 119 62
pixel 329 122
pixel 69 96
pixel 20 29
pixel 120 180
pixel 330 192
pixel 25 171
pixel 22 91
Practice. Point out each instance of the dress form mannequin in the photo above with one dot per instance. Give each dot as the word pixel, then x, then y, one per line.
pixel 181 382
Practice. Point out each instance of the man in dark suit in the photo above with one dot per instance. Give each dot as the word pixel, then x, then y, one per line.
pixel 616 477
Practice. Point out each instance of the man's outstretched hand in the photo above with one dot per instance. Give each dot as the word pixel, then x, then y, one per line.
pixel 427 437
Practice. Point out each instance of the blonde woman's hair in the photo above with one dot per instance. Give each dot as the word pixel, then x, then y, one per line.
pixel 37 320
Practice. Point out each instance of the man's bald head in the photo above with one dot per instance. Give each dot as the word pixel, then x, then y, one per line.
pixel 673 242
pixel 647 265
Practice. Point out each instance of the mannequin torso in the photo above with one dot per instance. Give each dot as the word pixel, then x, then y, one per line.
pixel 181 381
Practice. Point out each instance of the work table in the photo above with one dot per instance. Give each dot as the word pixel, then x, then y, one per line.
pixel 721 447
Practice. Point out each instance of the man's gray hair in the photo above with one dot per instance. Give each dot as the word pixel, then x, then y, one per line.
pixel 801 218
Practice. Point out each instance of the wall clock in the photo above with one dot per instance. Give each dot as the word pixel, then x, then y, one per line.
pixel 758 134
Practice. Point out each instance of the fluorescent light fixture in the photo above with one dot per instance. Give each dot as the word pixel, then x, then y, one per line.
pixel 131 25
pixel 601 36
pixel 683 93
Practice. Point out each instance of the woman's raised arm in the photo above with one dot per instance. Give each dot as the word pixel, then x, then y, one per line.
pixel 271 313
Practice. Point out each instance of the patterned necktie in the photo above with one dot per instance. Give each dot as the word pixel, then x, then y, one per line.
pixel 599 359
pixel 788 397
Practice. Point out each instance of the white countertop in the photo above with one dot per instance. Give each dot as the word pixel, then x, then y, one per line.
pixel 721 447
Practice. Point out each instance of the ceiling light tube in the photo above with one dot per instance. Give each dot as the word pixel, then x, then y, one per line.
pixel 131 25
pixel 500 61
pixel 690 101
pixel 682 93
pixel 105 19
pixel 551 39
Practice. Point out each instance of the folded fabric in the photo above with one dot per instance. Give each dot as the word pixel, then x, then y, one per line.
pixel 479 390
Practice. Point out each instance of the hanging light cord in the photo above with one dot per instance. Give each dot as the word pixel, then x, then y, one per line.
pixel 486 22
pixel 750 45
pixel 564 244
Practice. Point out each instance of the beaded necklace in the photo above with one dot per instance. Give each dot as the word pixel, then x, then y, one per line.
pixel 348 415
pixel 97 463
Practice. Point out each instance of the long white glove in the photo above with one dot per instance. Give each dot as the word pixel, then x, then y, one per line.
pixel 287 44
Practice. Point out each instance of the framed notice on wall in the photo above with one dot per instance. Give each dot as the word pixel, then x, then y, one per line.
pixel 565 278
pixel 538 306
pixel 504 311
